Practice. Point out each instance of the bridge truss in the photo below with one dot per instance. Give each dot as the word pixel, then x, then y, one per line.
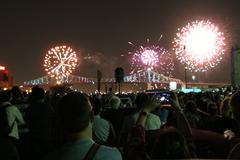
pixel 140 77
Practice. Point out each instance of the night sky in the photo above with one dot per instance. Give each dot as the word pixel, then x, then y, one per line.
pixel 102 30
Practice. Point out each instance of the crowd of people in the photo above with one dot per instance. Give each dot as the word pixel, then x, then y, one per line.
pixel 63 124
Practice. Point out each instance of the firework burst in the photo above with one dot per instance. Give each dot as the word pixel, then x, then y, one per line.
pixel 199 46
pixel 59 62
pixel 154 58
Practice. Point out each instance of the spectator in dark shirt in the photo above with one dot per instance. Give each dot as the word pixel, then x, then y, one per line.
pixel 226 121
pixel 235 104
pixel 191 114
pixel 213 116
pixel 38 117
pixel 114 114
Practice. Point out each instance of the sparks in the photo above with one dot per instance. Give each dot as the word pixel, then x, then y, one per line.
pixel 199 45
pixel 152 58
pixel 59 62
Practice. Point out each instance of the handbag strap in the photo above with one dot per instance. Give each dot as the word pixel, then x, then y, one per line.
pixel 92 152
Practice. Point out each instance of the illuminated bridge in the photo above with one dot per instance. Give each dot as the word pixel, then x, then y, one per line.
pixel 140 77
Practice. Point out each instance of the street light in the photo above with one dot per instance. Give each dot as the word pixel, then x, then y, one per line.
pixel 193 78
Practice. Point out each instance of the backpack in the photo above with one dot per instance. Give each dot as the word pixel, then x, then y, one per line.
pixel 135 147
pixel 5 129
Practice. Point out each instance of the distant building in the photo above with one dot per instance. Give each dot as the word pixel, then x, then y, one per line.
pixel 235 67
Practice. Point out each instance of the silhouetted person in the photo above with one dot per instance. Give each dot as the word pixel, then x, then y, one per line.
pixel 114 114
pixel 19 101
pixel 226 121
pixel 153 122
pixel 101 127
pixel 17 96
pixel 13 115
pixel 235 104
pixel 10 117
pixel 191 114
pixel 8 150
pixel 76 117
pixel 210 121
pixel 38 117
pixel 170 145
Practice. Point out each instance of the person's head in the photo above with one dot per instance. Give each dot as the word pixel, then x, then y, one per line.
pixel 75 112
pixel 115 102
pixel 97 106
pixel 5 96
pixel 37 94
pixel 212 109
pixel 170 145
pixel 142 100
pixel 225 108
pixel 191 107
pixel 235 104
pixel 16 93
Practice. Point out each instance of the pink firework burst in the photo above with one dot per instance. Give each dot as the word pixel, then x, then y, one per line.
pixel 199 45
pixel 152 57
pixel 149 58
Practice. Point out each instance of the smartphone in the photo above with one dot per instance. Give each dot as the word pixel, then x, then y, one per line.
pixel 162 98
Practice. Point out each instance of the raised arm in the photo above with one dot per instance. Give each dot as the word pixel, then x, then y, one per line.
pixel 182 123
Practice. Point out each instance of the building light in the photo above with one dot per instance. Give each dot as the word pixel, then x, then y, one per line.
pixel 2 68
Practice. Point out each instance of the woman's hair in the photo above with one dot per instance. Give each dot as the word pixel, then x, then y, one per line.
pixel 170 145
